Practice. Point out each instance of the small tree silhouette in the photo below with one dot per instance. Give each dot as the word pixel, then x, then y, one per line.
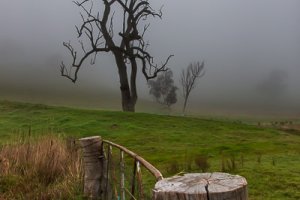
pixel 188 79
pixel 163 89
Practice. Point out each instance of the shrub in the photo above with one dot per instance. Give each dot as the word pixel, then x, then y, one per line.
pixel 201 162
pixel 173 167
pixel 228 164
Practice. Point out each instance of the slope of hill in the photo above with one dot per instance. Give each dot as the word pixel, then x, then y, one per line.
pixel 268 158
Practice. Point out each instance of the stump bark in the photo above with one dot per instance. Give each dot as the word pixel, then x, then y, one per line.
pixel 93 161
pixel 202 186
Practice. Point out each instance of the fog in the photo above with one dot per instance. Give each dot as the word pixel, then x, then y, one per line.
pixel 251 51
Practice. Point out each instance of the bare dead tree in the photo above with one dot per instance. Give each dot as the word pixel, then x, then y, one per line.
pixel 188 80
pixel 128 47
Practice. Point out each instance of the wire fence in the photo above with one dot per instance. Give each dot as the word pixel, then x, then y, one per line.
pixel 128 176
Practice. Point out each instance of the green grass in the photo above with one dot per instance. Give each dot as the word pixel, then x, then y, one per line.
pixel 268 158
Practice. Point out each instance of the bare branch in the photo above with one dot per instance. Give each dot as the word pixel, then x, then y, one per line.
pixel 80 4
pixel 157 69
pixel 124 6
pixel 87 11
pixel 77 65
pixel 111 26
pixel 188 79
pixel 139 5
pixel 66 73
pixel 82 46
pixel 93 60
pixel 145 29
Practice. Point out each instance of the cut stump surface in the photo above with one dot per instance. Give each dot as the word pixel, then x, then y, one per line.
pixel 202 186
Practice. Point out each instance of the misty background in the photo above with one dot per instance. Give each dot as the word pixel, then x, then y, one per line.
pixel 251 51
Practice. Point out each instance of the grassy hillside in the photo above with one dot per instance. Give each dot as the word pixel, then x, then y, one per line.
pixel 268 158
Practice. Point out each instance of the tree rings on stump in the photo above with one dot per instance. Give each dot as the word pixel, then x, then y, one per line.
pixel 202 186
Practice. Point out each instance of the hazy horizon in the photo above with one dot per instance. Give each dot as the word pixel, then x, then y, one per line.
pixel 251 52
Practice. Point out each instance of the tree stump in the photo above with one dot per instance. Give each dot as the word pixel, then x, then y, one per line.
pixel 93 160
pixel 202 186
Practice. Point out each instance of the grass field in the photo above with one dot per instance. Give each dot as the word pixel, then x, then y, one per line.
pixel 268 158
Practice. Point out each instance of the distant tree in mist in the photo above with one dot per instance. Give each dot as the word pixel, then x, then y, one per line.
pixel 98 33
pixel 188 80
pixel 163 89
pixel 274 85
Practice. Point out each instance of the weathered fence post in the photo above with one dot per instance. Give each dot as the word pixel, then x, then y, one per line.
pixel 202 186
pixel 94 166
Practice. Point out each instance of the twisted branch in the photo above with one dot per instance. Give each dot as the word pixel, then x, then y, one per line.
pixel 98 29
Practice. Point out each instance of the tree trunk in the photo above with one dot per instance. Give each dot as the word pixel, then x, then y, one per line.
pixel 128 99
pixel 186 97
pixel 127 104
pixel 133 81
pixel 184 106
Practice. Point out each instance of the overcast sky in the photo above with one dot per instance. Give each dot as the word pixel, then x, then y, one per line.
pixel 244 45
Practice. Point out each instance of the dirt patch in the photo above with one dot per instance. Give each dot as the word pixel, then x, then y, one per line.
pixel 291 129
pixel 114 126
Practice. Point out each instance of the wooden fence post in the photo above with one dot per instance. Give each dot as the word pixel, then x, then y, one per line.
pixel 202 186
pixel 94 166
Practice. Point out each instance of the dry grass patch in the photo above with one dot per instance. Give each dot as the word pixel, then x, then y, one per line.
pixel 40 168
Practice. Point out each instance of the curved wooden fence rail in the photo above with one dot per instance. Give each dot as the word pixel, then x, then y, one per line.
pixel 114 172
pixel 138 159
pixel 136 189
